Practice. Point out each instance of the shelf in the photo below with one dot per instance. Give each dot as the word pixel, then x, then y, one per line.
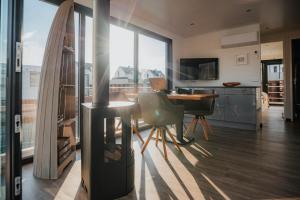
pixel 274 92
pixel 276 98
pixel 277 103
pixel 69 50
pixel 69 159
pixel 66 122
pixel 275 86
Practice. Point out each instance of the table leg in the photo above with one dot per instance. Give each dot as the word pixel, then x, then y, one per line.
pixel 179 134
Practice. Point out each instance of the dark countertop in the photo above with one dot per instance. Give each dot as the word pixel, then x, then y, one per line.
pixel 240 86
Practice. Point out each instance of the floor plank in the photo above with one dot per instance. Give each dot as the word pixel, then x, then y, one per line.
pixel 233 164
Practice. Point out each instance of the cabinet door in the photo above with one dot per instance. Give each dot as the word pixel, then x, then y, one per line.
pixel 240 108
pixel 219 109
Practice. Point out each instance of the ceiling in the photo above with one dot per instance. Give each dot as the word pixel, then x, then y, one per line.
pixel 192 17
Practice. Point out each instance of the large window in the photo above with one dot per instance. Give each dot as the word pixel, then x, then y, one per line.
pixel 126 46
pixel 37 20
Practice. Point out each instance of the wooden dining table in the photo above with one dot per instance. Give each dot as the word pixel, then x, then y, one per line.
pixel 185 97
pixel 179 98
pixel 191 97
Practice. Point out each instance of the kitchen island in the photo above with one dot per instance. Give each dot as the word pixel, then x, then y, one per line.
pixel 236 107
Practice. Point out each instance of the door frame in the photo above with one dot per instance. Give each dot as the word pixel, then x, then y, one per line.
pixel 14 94
pixel 295 115
pixel 264 69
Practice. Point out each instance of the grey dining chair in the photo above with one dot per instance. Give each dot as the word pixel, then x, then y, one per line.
pixel 200 109
pixel 159 112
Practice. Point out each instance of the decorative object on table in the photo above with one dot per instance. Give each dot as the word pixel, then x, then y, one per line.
pixel 242 59
pixel 55 126
pixel 231 84
pixel 200 109
pixel 159 112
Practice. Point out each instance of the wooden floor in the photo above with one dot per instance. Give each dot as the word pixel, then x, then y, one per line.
pixel 233 164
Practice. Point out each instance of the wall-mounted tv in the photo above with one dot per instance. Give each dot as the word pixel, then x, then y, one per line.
pixel 199 69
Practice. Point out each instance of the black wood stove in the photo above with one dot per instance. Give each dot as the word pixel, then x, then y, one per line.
pixel 107 163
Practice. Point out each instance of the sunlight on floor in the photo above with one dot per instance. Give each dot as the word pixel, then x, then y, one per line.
pixel 69 188
pixel 216 187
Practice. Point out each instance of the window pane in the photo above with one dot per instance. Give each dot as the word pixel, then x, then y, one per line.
pixel 3 72
pixel 88 59
pixel 121 59
pixel 152 60
pixel 76 27
pixel 37 21
pixel 152 63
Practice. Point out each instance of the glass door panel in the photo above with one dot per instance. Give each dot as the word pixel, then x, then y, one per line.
pixel 121 60
pixel 37 20
pixel 3 99
pixel 152 55
pixel 88 59
pixel 152 60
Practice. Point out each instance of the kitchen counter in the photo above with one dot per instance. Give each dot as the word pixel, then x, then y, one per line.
pixel 237 107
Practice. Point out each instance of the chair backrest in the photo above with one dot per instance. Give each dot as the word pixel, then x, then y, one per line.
pixel 155 107
pixel 158 83
pixel 205 106
pixel 184 91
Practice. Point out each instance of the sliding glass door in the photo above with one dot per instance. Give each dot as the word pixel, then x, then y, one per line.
pixel 3 96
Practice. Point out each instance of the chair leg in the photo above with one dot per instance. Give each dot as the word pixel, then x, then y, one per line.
pixel 184 126
pixel 157 135
pixel 204 128
pixel 208 125
pixel 164 145
pixel 173 139
pixel 138 134
pixel 149 138
pixel 189 127
pixel 195 125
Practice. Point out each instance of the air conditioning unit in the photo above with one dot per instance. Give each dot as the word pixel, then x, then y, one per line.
pixel 238 40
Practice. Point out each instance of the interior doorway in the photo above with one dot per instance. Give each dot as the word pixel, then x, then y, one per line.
pixel 296 76
pixel 272 70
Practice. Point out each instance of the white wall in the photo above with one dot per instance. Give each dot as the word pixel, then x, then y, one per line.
pixel 209 45
pixel 272 50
